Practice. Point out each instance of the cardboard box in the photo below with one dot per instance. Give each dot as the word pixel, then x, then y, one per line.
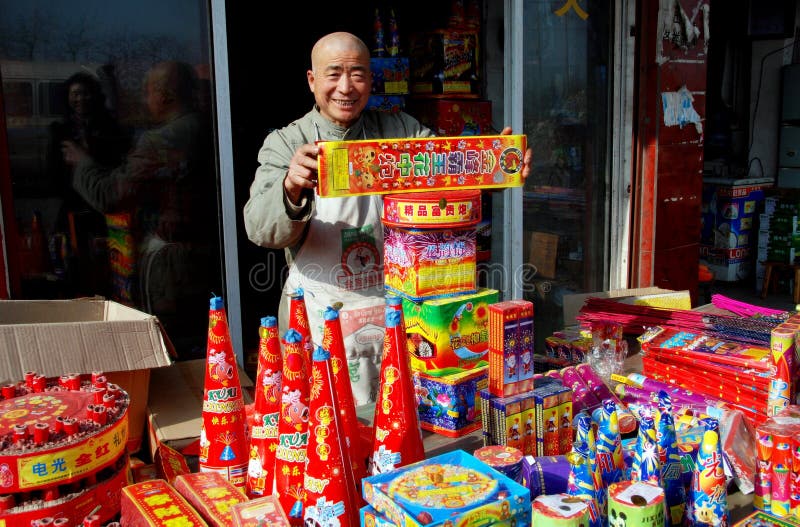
pixel 729 210
pixel 731 265
pixel 389 75
pixel 175 405
pixel 445 62
pixel 53 337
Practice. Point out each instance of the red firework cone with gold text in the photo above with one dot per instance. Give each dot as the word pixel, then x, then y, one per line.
pixel 223 444
pixel 298 319
pixel 290 457
pixel 397 438
pixel 329 483
pixel 266 411
pixel 333 343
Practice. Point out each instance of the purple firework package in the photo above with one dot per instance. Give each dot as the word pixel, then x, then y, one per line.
pixel 545 474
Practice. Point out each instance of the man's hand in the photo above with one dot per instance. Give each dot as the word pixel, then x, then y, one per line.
pixel 302 173
pixel 527 158
pixel 73 153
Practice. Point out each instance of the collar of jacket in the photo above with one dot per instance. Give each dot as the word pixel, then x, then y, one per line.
pixel 328 131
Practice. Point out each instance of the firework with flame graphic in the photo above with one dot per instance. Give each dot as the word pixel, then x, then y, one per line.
pixel 223 439
pixel 709 487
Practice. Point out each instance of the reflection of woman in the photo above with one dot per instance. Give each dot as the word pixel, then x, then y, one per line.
pixel 88 122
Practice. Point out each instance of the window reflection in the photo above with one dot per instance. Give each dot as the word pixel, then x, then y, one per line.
pixel 112 156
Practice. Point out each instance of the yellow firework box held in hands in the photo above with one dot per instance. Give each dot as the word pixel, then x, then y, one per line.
pixel 354 168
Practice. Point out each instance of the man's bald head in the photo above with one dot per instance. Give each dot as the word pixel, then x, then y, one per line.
pixel 337 42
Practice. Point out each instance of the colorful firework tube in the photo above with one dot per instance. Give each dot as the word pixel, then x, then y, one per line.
pixel 627 422
pixel 781 345
pixel 290 456
pixel 330 487
pixel 796 477
pixel 609 444
pixel 397 438
pixel 582 396
pixel 505 459
pixel 782 463
pixel 504 360
pixel 394 36
pixel 560 510
pixel 637 503
pixel 333 342
pixel 223 440
pixel 709 490
pixel 632 395
pixel 266 410
pixel 353 168
pixel 646 465
pixel 298 319
pixel 670 459
pixel 581 483
pixel 211 495
pixel 676 392
pixel 584 433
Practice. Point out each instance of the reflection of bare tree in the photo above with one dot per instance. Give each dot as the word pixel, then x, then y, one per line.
pixel 25 36
pixel 75 40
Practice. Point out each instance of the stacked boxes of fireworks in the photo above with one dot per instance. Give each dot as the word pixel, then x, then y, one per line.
pixel 390 70
pixel 430 261
pixel 519 410
pixel 777 482
pixel 778 232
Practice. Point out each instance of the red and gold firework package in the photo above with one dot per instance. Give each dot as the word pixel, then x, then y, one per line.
pixel 355 168
pixel 258 512
pixel 211 495
pixel 155 503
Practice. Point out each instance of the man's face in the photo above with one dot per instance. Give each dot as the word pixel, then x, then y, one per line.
pixel 79 98
pixel 341 82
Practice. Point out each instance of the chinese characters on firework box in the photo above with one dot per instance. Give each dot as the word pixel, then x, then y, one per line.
pixel 155 503
pixel 354 168
pixel 211 495
pixel 510 347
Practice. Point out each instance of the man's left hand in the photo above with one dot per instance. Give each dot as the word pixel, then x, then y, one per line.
pixel 527 158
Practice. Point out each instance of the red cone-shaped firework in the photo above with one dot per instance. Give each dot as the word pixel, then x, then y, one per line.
pixel 333 343
pixel 290 456
pixel 298 320
pixel 223 443
pixel 329 483
pixel 397 438
pixel 266 411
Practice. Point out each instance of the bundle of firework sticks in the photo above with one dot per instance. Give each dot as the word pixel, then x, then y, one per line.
pixel 753 379
pixel 636 319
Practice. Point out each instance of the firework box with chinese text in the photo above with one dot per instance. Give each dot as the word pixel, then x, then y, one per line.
pixel 175 404
pixel 53 337
pixel 449 332
pixel 155 503
pixel 354 168
pixel 211 494
pixel 259 512
pixel 511 366
pixel 450 489
pixel 447 400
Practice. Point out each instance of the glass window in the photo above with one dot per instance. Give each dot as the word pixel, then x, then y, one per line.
pixel 111 149
pixel 565 104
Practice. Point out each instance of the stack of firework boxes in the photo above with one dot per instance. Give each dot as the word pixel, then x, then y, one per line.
pixel 430 261
pixel 778 233
pixel 521 409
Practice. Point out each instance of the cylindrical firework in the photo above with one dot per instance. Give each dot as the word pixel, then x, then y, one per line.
pixel 609 444
pixel 290 456
pixel 646 464
pixel 762 495
pixel 380 40
pixel 626 420
pixel 330 489
pixel 782 463
pixel 709 490
pixel 560 510
pixel 582 396
pixel 781 343
pixel 581 483
pixel 504 459
pixel 796 477
pixel 266 410
pixel 298 320
pixel 670 459
pixel 223 440
pixel 333 342
pixel 397 438
pixel 394 36
pixel 635 503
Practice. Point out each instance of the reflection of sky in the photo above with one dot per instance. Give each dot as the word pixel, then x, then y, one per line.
pixel 182 20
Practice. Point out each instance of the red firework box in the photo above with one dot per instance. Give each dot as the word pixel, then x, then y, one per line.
pixel 451 117
pixel 211 495
pixel 510 347
pixel 777 481
pixel 354 168
pixel 259 512
pixel 156 503
pixel 448 333
pixel 429 243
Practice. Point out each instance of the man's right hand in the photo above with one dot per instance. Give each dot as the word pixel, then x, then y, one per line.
pixel 302 173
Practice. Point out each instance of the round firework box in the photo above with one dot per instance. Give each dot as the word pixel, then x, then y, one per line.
pixel 442 487
pixel 638 503
pixel 453 209
pixel 505 459
pixel 560 510
pixel 63 440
